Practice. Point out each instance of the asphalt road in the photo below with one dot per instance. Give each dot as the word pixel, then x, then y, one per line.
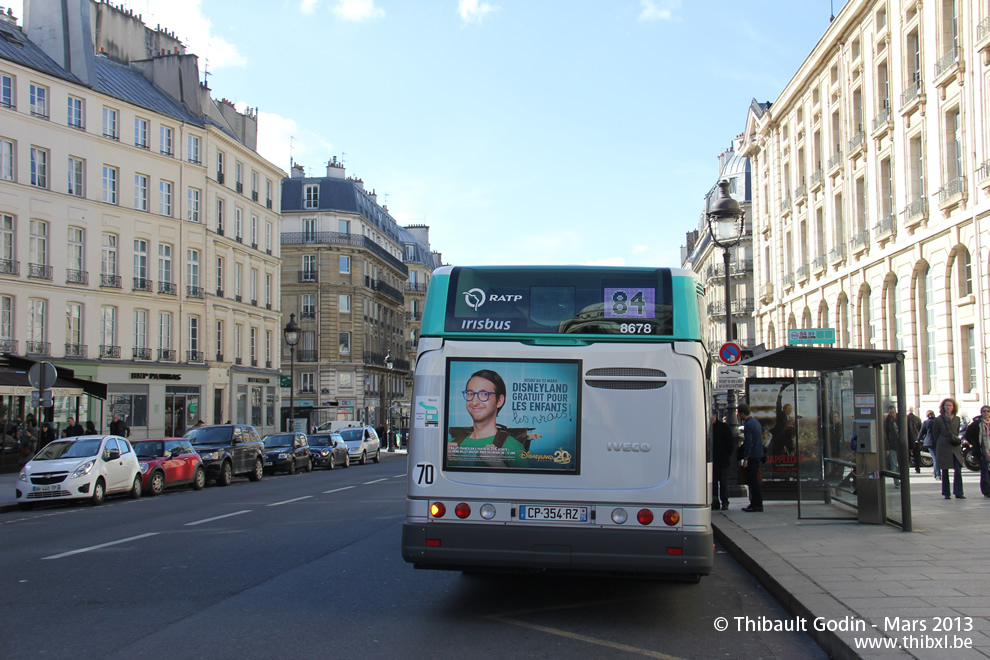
pixel 309 566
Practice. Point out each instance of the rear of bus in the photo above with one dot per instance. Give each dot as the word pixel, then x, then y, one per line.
pixel 598 459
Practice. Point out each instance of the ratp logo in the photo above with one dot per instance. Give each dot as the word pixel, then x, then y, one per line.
pixel 474 298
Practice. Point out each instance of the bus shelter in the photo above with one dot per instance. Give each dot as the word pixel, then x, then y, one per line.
pixel 828 431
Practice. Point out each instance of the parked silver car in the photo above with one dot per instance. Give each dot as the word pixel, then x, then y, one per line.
pixel 362 443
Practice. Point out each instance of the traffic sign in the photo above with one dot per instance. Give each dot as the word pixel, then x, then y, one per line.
pixel 730 353
pixel 801 336
pixel 42 375
pixel 42 399
pixel 730 377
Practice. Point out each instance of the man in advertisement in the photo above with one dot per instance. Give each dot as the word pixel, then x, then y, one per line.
pixel 484 396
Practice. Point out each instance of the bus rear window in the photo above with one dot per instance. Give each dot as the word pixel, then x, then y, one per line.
pixel 560 300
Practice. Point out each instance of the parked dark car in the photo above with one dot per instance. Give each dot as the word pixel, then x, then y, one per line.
pixel 168 462
pixel 328 450
pixel 229 450
pixel 287 452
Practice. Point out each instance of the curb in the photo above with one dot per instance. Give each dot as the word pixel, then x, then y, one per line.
pixel 796 592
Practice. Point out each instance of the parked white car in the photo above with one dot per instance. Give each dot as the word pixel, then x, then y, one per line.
pixel 362 443
pixel 86 467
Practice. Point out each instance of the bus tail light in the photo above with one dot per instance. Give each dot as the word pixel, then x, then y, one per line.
pixel 675 551
pixel 437 510
pixel 645 516
pixel 462 510
pixel 487 511
pixel 671 517
pixel 432 543
pixel 619 516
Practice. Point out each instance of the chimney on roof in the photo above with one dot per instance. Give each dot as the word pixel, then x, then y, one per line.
pixel 297 172
pixel 335 169
pixel 62 30
pixel 8 17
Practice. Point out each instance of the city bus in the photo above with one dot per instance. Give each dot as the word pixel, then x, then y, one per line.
pixel 560 423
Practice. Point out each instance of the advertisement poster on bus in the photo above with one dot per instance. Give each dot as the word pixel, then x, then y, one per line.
pixel 513 415
pixel 790 431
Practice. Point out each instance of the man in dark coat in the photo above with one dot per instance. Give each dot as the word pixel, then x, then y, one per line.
pixel 723 446
pixel 119 427
pixel 914 442
pixel 752 457
pixel 73 428
pixel 892 433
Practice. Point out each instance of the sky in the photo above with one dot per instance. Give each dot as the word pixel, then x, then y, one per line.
pixel 520 131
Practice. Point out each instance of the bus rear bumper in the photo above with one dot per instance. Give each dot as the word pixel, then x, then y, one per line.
pixel 557 549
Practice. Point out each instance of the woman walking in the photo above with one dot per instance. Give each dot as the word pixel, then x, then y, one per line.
pixel 948 448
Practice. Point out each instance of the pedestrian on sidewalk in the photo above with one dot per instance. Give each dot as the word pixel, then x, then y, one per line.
pixel 752 457
pixel 978 435
pixel 914 439
pixel 723 445
pixel 948 447
pixel 892 434
pixel 928 439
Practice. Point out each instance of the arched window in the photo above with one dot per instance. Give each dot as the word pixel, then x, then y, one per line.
pixel 866 317
pixel 771 340
pixel 823 320
pixel 929 346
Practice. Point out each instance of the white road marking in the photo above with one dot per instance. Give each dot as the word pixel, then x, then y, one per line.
pixel 337 490
pixel 226 515
pixel 304 497
pixel 398 476
pixel 102 545
pixel 367 483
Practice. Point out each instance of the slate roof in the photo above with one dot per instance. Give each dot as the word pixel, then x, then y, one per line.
pixel 128 84
pixel 16 47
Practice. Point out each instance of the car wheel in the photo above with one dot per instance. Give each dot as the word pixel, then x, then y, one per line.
pixel 292 466
pixel 378 456
pixel 259 471
pixel 156 483
pixel 226 474
pixel 332 463
pixel 364 458
pixel 99 493
pixel 309 465
pixel 347 460
pixel 199 479
pixel 136 488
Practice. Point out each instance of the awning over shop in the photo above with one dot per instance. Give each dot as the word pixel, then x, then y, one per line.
pixel 14 380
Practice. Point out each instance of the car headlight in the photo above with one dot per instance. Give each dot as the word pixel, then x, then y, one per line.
pixel 144 467
pixel 282 456
pixel 83 469
pixel 325 453
pixel 22 476
pixel 210 455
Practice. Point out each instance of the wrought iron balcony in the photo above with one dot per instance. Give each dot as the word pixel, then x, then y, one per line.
pixel 915 208
pixel 219 357
pixel 837 253
pixel 800 192
pixel 110 281
pixel 860 239
pixel 413 316
pixel 268 364
pixel 254 303
pixel 886 226
pixel 75 350
pixel 40 272
pixel 419 287
pixel 819 262
pixel 219 177
pixel 816 178
pixel 788 280
pixel 307 276
pixel 983 29
pixel 109 351
pixel 857 141
pixel 378 360
pixel 166 355
pixel 983 171
pixel 194 356
pixel 308 315
pixel 76 276
pixel 911 93
pixel 254 362
pixel 219 293
pixel 10 267
pixel 168 288
pixel 383 288
pixel 141 353
pixel 143 284
pixel 306 356
pixel 237 297
pixel 953 188
pixel 352 240
pixel 219 230
pixel 834 161
pixel 785 204
pixel 239 187
pixel 38 348
pixel 803 272
pixel 194 291
pixel 8 346
pixel 947 61
pixel 237 361
pixel 268 203
pixel 881 119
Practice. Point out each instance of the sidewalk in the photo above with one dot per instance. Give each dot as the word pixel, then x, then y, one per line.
pixel 844 571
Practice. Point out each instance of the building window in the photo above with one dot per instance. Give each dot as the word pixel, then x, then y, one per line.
pixel 39 242
pixel 75 112
pixel 965 277
pixel 309 229
pixel 220 210
pixel 916 163
pixel 307 382
pixel 140 328
pixel 39 101
pixel 192 268
pixel 77 176
pixel 165 140
pixel 970 371
pixel 6 160
pixel 108 264
pixel 254 231
pixel 37 322
pixel 254 186
pixel 192 202
pixel 254 286
pixel 192 149
pixel 219 276
pixel 141 192
pixel 110 124
pixel 268 348
pixel 344 226
pixel 345 264
pixel 6 318
pixel 73 328
pixel 268 237
pixel 311 196
pixel 165 198
pixel 239 177
pixel 108 328
pixel 309 306
pixel 309 267
pixel 930 348
pixel 268 290
pixel 140 132
pixel 192 329
pixel 345 380
pixel 110 184
pixel 344 340
pixel 164 331
pixel 238 225
pixel 253 345
pixel 39 167
pixel 238 331
pixel 953 147
pixel 140 262
pixel 219 339
pixel 345 304
pixel 6 91
pixel 77 249
pixel 238 276
pixel 165 263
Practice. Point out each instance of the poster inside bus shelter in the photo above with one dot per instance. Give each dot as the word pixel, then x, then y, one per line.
pixel 513 415
pixel 790 429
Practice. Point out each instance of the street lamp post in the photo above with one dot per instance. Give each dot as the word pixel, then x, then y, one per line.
pixel 390 364
pixel 291 334
pixel 725 225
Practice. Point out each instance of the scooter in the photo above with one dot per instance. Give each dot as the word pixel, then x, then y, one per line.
pixel 969 456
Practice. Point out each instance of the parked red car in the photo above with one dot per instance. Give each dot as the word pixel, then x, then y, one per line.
pixel 168 462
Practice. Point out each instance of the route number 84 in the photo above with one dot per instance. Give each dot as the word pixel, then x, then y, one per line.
pixel 424 474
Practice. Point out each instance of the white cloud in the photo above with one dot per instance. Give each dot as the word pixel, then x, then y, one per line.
pixel 658 10
pixel 308 6
pixel 475 11
pixel 357 10
pixel 185 18
pixel 281 138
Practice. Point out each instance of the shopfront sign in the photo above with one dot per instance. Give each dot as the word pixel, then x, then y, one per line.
pixel 147 376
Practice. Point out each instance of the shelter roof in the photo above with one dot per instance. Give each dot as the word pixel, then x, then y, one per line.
pixel 807 358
